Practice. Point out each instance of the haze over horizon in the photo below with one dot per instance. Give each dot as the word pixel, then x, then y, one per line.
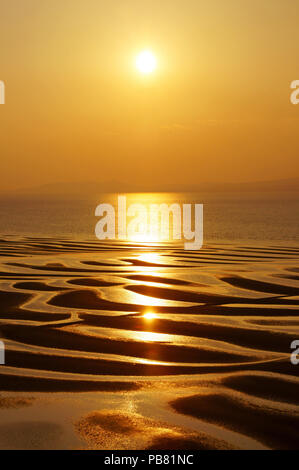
pixel 92 188
pixel 215 108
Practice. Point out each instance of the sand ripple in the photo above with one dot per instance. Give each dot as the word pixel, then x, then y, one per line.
pixel 90 316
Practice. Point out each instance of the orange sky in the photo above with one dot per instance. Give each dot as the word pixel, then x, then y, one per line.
pixel 216 109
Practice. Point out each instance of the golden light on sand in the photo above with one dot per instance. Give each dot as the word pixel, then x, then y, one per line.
pixel 146 62
pixel 149 316
pixel 150 257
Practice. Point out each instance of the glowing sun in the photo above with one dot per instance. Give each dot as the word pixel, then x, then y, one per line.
pixel 146 62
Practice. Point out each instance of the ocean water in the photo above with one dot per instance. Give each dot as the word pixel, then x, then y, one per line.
pixel 228 217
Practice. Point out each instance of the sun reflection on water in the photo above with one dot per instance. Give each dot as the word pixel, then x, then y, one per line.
pixel 150 257
pixel 149 315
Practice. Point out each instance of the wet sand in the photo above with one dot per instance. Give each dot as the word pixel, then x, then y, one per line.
pixel 148 347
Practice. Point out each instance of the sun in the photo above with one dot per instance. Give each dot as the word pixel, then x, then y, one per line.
pixel 146 62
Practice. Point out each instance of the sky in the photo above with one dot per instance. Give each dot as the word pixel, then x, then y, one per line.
pixel 216 109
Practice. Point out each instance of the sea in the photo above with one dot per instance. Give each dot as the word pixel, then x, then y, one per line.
pixel 228 217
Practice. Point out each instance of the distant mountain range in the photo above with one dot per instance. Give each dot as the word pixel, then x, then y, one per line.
pixel 79 189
